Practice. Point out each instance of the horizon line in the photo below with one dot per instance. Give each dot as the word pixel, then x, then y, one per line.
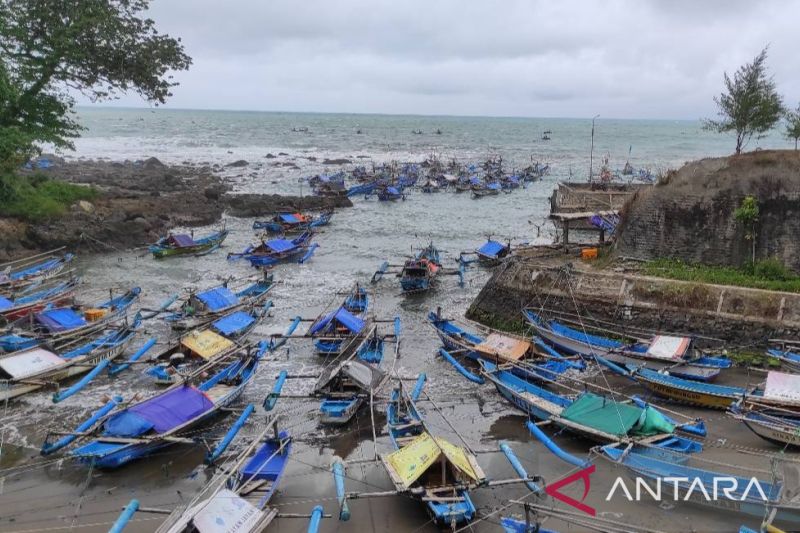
pixel 383 114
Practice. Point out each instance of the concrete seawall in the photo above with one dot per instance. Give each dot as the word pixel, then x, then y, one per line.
pixel 634 304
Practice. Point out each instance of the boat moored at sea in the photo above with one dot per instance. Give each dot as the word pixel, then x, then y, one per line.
pixel 176 244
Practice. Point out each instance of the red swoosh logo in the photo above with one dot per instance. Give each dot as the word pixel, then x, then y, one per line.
pixel 553 490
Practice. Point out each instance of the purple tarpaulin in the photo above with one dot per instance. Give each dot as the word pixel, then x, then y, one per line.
pixel 174 408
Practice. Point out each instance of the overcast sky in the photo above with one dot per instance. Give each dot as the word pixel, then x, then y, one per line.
pixel 551 58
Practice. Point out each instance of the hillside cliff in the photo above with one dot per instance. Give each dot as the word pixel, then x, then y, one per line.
pixel 689 216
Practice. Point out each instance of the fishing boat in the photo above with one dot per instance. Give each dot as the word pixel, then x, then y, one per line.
pixel 783 431
pixel 596 417
pixel 332 329
pixel 146 426
pixel 488 189
pixel 347 386
pixel 202 307
pixel 419 273
pixel 517 354
pixel 390 194
pixel 219 339
pixel 183 244
pixel 60 324
pixel 22 273
pixel 661 351
pixel 240 494
pixel 780 392
pixel 789 360
pixel 743 492
pixel 36 299
pixel 490 254
pixel 275 251
pixel 293 222
pixel 429 468
pixel 39 367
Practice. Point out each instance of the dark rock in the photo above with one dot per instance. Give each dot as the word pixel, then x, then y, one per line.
pixel 152 162
pixel 239 163
pixel 270 156
pixel 341 161
pixel 252 205
pixel 282 153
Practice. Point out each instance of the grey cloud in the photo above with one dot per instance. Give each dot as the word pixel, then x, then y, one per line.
pixel 623 58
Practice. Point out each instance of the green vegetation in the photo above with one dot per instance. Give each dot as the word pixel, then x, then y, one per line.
pixel 747 215
pixel 50 51
pixel 758 359
pixel 35 198
pixel 793 126
pixel 750 104
pixel 768 274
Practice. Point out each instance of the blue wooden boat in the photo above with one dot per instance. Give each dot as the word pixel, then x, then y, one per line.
pixel 419 273
pixel 183 244
pixel 201 307
pixel 334 328
pixel 788 359
pixel 275 251
pixel 363 188
pixel 656 466
pixel 38 367
pixel 220 338
pixel 592 416
pixel 293 222
pixel 781 392
pixel 486 189
pixel 346 388
pixel 357 300
pixel 477 342
pixel 391 194
pixel 36 298
pixel 57 325
pixel 431 474
pixel 660 352
pixel 147 426
pixel 490 254
pixel 241 493
pixel 783 431
pixel 23 273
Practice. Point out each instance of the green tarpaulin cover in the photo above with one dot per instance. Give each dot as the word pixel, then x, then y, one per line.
pixel 608 416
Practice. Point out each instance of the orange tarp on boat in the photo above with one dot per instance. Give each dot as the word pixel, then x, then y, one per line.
pixel 503 347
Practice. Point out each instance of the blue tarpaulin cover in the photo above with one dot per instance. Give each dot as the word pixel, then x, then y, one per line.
pixel 291 219
pixel 60 319
pixel 474 180
pixel 343 317
pixel 491 248
pixel 161 414
pixel 218 298
pixel 5 303
pixel 182 240
pixel 493 186
pixel 280 245
pixel 392 190
pixel 234 323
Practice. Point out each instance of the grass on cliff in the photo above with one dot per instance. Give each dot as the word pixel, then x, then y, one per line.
pixel 36 198
pixel 768 274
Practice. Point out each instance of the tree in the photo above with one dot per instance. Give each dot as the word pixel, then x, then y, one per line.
pixel 747 215
pixel 793 125
pixel 100 48
pixel 750 104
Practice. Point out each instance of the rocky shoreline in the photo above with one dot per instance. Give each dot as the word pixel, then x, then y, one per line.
pixel 139 201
